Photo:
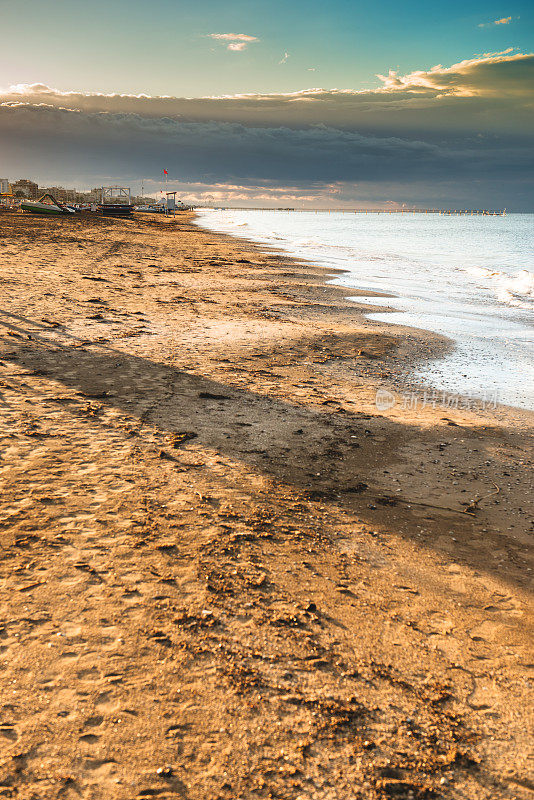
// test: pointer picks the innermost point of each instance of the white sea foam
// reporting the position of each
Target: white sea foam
(513, 289)
(468, 278)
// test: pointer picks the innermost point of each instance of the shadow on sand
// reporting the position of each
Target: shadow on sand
(328, 455)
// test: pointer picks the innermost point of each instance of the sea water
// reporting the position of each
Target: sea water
(469, 278)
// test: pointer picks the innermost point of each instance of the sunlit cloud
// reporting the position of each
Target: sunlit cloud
(496, 77)
(486, 75)
(267, 194)
(502, 21)
(237, 42)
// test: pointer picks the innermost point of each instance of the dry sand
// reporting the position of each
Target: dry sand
(225, 574)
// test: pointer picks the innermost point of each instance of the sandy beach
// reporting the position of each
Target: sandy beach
(226, 574)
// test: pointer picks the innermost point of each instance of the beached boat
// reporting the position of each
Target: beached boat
(115, 209)
(45, 205)
(155, 209)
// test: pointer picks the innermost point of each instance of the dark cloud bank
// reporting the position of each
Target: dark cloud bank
(460, 135)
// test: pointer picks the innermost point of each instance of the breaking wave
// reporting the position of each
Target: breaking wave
(515, 290)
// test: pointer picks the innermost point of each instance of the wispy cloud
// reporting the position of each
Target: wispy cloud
(237, 42)
(502, 21)
(284, 58)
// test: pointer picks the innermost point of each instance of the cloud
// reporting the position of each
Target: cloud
(502, 21)
(463, 131)
(267, 194)
(495, 80)
(284, 58)
(232, 151)
(487, 75)
(237, 42)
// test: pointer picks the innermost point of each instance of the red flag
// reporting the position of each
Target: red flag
(165, 172)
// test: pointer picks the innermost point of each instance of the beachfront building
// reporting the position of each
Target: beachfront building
(62, 194)
(5, 186)
(59, 192)
(25, 188)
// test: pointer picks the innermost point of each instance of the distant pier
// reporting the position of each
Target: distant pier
(468, 212)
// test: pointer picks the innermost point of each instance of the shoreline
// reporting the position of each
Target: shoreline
(226, 573)
(436, 343)
(463, 350)
(424, 343)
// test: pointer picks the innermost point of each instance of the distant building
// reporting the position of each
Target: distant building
(59, 192)
(5, 186)
(25, 188)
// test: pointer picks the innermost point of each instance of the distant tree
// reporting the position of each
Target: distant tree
(19, 193)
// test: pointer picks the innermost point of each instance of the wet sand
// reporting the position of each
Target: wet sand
(225, 573)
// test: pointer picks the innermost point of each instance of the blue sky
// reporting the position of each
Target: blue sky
(162, 46)
(305, 103)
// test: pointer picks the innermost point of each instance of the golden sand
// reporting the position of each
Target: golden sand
(225, 573)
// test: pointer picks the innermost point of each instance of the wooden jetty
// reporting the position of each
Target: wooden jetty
(439, 211)
(447, 212)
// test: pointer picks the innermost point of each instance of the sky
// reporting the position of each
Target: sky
(338, 104)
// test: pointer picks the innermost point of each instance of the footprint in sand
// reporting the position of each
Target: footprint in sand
(440, 638)
(130, 595)
(505, 604)
(485, 695)
(90, 674)
(8, 732)
(69, 655)
(448, 645)
(487, 631)
(93, 722)
(441, 624)
(99, 768)
(73, 633)
(105, 702)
